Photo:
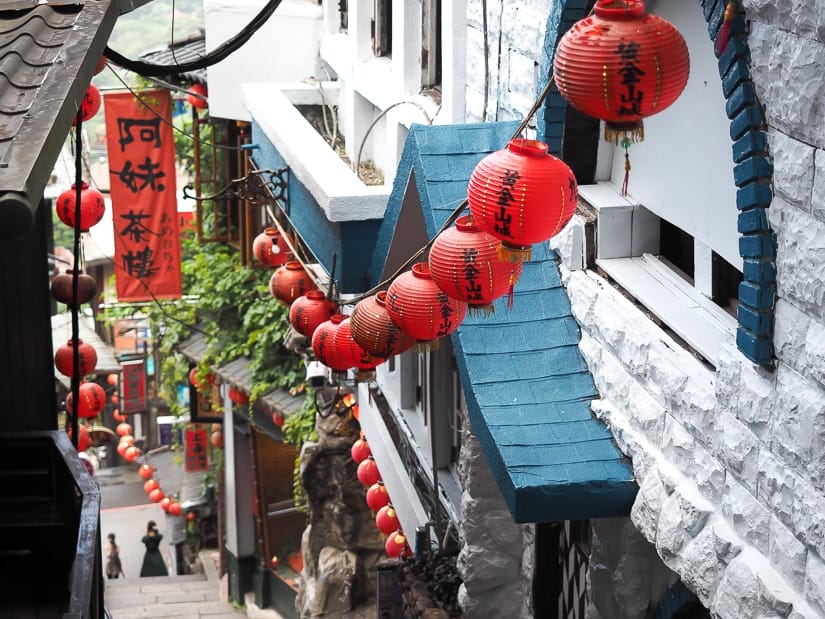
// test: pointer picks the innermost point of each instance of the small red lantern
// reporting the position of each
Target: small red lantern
(175, 509)
(270, 248)
(197, 96)
(360, 450)
(112, 379)
(83, 439)
(64, 358)
(350, 352)
(323, 344)
(396, 544)
(150, 485)
(621, 65)
(216, 438)
(290, 281)
(373, 329)
(165, 502)
(191, 516)
(156, 496)
(237, 396)
(416, 305)
(310, 310)
(464, 263)
(92, 400)
(146, 471)
(201, 385)
(522, 195)
(122, 446)
(386, 519)
(90, 105)
(368, 472)
(92, 206)
(131, 454)
(274, 562)
(278, 419)
(117, 416)
(123, 429)
(62, 288)
(377, 496)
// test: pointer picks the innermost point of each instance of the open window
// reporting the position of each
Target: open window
(431, 44)
(382, 28)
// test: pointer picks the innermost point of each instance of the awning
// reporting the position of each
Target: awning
(107, 362)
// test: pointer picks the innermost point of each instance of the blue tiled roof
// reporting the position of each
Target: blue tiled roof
(527, 386)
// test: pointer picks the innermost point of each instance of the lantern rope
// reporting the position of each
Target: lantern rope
(75, 385)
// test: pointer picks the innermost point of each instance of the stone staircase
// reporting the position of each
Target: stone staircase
(182, 597)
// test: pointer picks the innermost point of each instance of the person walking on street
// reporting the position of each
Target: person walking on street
(113, 566)
(153, 563)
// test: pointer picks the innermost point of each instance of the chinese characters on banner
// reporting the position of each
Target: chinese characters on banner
(133, 387)
(197, 452)
(144, 205)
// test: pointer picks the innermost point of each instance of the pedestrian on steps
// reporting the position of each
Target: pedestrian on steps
(113, 566)
(153, 563)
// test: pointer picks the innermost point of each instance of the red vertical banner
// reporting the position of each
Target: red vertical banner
(133, 386)
(144, 203)
(197, 453)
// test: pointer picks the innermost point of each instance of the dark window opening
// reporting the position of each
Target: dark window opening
(343, 12)
(676, 247)
(382, 28)
(580, 145)
(431, 44)
(725, 286)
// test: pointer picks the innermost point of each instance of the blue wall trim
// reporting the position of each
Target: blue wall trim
(752, 163)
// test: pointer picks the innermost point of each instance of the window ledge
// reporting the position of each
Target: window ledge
(696, 319)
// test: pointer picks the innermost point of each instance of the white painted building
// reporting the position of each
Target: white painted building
(715, 390)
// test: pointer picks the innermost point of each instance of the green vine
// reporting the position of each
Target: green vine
(298, 429)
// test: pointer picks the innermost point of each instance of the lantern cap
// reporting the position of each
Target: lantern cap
(529, 148)
(293, 265)
(466, 223)
(620, 9)
(315, 295)
(422, 270)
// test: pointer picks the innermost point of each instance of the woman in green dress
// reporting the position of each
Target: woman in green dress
(153, 564)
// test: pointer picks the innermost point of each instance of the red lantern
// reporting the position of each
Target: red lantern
(310, 310)
(123, 429)
(290, 281)
(150, 485)
(464, 263)
(323, 344)
(92, 400)
(374, 331)
(416, 305)
(112, 380)
(90, 105)
(101, 64)
(118, 417)
(368, 472)
(621, 65)
(131, 454)
(198, 101)
(191, 516)
(216, 438)
(83, 439)
(522, 195)
(122, 446)
(386, 519)
(165, 502)
(278, 419)
(236, 396)
(350, 352)
(92, 206)
(64, 358)
(62, 288)
(270, 248)
(396, 545)
(377, 496)
(146, 471)
(274, 562)
(127, 440)
(360, 450)
(175, 509)
(156, 496)
(201, 385)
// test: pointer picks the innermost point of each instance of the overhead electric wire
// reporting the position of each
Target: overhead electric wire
(213, 57)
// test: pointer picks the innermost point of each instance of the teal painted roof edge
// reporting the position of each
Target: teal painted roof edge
(527, 387)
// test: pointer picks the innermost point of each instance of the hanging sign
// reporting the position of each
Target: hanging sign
(133, 386)
(197, 453)
(144, 204)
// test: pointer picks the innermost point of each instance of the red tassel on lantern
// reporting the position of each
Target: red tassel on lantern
(360, 450)
(350, 353)
(377, 496)
(621, 65)
(197, 101)
(310, 310)
(92, 400)
(368, 472)
(386, 519)
(417, 306)
(522, 195)
(270, 248)
(464, 263)
(374, 331)
(323, 344)
(92, 206)
(396, 545)
(62, 288)
(290, 281)
(64, 358)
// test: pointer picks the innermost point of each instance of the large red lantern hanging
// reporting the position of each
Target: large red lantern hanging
(64, 358)
(522, 195)
(360, 450)
(621, 65)
(310, 310)
(386, 519)
(290, 281)
(422, 310)
(464, 263)
(396, 544)
(270, 248)
(323, 344)
(374, 331)
(92, 400)
(377, 496)
(92, 206)
(63, 292)
(368, 472)
(83, 438)
(198, 96)
(350, 352)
